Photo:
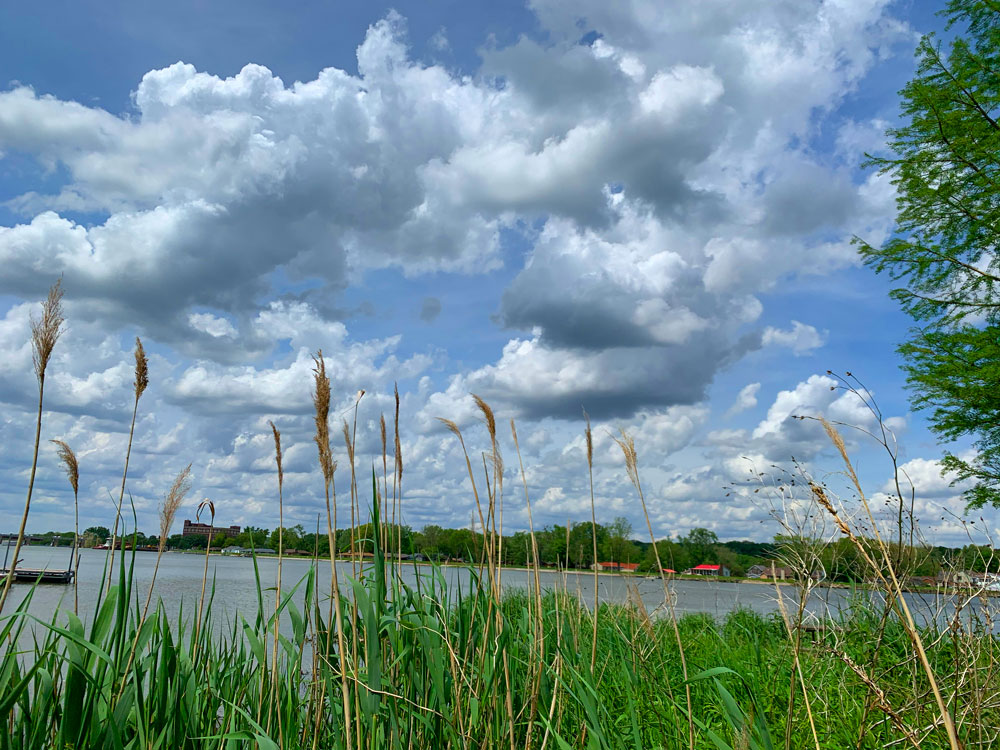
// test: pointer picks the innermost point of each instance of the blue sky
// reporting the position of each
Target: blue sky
(641, 209)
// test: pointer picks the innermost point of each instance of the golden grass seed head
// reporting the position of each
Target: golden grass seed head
(46, 331)
(491, 423)
(277, 451)
(141, 369)
(70, 464)
(321, 401)
(347, 441)
(398, 445)
(590, 440)
(172, 502)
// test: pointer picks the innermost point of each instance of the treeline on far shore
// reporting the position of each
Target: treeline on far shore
(568, 548)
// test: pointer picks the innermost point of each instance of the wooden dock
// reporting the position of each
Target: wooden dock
(41, 575)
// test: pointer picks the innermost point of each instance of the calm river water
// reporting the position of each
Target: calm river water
(179, 582)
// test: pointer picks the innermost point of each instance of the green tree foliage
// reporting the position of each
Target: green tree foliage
(618, 545)
(100, 533)
(701, 546)
(192, 541)
(946, 169)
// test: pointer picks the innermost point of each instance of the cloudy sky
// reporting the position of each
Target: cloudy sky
(643, 209)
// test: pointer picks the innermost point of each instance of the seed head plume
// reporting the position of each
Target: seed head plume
(382, 432)
(491, 423)
(321, 400)
(824, 502)
(347, 442)
(399, 447)
(172, 502)
(277, 451)
(70, 465)
(45, 332)
(141, 369)
(451, 426)
(590, 440)
(627, 444)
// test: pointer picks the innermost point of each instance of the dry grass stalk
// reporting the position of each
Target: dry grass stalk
(139, 385)
(539, 640)
(397, 490)
(206, 503)
(351, 441)
(321, 402)
(387, 512)
(168, 512)
(491, 428)
(881, 700)
(72, 469)
(887, 574)
(277, 590)
(588, 435)
(475, 493)
(349, 447)
(627, 445)
(796, 640)
(496, 502)
(44, 335)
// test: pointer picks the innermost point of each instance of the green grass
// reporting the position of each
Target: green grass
(434, 667)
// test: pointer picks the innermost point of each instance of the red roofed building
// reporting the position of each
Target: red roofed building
(671, 571)
(617, 567)
(707, 570)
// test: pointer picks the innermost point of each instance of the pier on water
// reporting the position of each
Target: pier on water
(41, 575)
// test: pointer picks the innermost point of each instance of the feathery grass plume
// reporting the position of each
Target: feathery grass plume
(44, 335)
(70, 465)
(45, 331)
(321, 402)
(277, 590)
(72, 469)
(141, 369)
(139, 385)
(172, 503)
(627, 445)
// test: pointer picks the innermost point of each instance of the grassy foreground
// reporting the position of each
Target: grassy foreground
(429, 667)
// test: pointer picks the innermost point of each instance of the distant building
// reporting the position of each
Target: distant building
(955, 578)
(617, 566)
(203, 529)
(707, 570)
(771, 570)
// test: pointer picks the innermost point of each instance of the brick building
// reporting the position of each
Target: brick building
(203, 529)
